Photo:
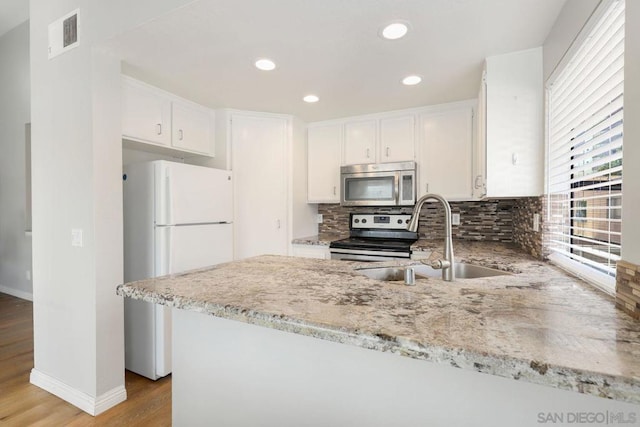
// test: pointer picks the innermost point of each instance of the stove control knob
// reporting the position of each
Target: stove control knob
(356, 220)
(406, 221)
(399, 221)
(364, 221)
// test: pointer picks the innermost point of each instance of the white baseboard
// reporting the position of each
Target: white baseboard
(16, 293)
(89, 404)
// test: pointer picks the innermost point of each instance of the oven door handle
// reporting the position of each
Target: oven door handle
(365, 252)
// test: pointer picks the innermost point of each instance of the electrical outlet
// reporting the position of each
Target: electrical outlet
(76, 237)
(455, 219)
(319, 218)
(536, 222)
(28, 275)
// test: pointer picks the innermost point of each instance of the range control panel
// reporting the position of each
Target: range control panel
(380, 221)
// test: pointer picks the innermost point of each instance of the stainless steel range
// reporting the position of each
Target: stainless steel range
(375, 237)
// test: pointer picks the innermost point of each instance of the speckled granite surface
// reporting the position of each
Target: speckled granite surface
(315, 240)
(540, 325)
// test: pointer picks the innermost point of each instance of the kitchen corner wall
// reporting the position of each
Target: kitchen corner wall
(499, 220)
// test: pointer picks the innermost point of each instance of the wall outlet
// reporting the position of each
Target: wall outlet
(536, 222)
(455, 219)
(76, 237)
(28, 275)
(319, 218)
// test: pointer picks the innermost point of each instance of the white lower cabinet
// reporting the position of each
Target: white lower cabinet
(324, 145)
(310, 251)
(260, 163)
(445, 160)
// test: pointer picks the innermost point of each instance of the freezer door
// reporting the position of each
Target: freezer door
(187, 194)
(182, 248)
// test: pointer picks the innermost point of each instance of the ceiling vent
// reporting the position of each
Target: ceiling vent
(63, 34)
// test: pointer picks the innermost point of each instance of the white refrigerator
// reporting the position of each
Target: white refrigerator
(177, 217)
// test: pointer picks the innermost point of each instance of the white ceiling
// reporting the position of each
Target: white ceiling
(12, 13)
(206, 50)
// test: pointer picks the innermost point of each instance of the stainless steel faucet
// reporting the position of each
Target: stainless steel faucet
(447, 265)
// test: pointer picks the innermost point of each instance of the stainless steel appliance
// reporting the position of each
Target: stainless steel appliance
(379, 184)
(375, 237)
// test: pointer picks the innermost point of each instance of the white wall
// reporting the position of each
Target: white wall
(15, 246)
(572, 17)
(76, 166)
(631, 172)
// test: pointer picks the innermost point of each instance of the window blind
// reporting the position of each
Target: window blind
(584, 156)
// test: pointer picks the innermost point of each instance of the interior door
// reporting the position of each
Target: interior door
(260, 168)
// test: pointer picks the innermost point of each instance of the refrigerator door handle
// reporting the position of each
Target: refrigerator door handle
(168, 252)
(163, 250)
(169, 202)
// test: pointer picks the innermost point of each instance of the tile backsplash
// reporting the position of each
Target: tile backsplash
(502, 220)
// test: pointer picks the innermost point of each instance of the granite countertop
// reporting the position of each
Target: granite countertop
(540, 325)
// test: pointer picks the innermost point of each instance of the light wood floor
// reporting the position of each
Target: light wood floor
(23, 404)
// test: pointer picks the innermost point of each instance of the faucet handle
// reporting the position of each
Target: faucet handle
(441, 263)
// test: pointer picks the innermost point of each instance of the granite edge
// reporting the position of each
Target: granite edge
(618, 388)
(311, 241)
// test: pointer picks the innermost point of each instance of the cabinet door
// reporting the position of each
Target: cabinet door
(397, 139)
(446, 154)
(360, 142)
(324, 146)
(310, 251)
(259, 168)
(146, 114)
(480, 144)
(192, 128)
(514, 117)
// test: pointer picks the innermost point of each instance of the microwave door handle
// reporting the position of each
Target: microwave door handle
(398, 189)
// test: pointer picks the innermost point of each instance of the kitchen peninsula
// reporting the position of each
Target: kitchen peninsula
(275, 340)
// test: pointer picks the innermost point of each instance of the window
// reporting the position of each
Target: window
(584, 155)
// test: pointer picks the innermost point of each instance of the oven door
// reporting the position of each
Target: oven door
(365, 255)
(370, 189)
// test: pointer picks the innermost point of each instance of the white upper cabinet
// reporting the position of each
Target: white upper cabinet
(192, 127)
(324, 151)
(360, 139)
(146, 114)
(397, 139)
(160, 119)
(446, 153)
(513, 140)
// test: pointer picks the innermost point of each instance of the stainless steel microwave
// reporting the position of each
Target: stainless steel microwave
(378, 184)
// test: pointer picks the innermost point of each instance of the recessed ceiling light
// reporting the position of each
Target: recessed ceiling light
(411, 80)
(310, 98)
(395, 30)
(265, 64)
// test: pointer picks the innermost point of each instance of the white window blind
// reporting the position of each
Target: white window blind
(584, 157)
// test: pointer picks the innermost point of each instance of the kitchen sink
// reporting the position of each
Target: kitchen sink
(462, 271)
